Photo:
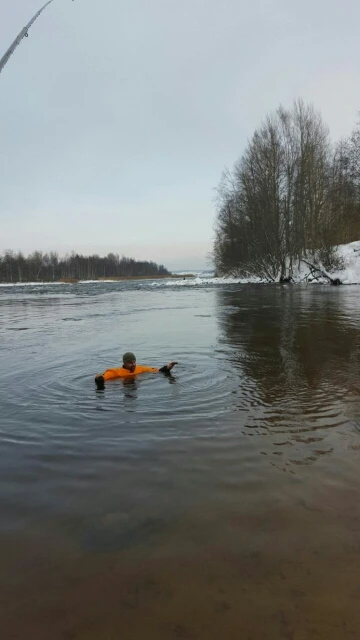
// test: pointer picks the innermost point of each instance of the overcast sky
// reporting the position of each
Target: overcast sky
(118, 117)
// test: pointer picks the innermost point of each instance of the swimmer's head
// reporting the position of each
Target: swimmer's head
(129, 361)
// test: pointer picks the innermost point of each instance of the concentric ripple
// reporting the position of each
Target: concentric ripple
(263, 371)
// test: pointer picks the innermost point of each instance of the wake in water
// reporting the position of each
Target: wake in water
(196, 281)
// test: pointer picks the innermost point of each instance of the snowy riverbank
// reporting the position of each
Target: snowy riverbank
(349, 255)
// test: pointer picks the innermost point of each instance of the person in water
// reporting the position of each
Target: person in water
(130, 369)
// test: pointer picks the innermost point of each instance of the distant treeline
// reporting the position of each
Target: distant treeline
(292, 194)
(49, 267)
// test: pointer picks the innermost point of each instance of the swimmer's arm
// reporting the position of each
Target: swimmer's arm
(109, 374)
(167, 368)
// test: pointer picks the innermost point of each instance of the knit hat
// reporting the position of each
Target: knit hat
(128, 357)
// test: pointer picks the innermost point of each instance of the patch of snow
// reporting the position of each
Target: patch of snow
(29, 284)
(350, 255)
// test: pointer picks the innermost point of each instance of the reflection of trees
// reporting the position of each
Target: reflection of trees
(292, 340)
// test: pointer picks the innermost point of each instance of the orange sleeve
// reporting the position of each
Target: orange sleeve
(147, 369)
(110, 374)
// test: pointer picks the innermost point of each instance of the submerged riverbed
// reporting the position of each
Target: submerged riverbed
(222, 502)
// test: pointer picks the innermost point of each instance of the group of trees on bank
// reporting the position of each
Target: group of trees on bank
(291, 195)
(49, 267)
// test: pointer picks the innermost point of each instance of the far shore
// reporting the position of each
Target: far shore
(111, 278)
(107, 279)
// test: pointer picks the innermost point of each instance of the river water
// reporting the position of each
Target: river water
(222, 502)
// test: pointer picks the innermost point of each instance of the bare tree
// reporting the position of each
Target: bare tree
(273, 208)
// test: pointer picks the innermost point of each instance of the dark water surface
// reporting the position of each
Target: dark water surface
(220, 503)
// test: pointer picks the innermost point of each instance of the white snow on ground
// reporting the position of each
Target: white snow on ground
(350, 254)
(349, 274)
(28, 284)
(199, 280)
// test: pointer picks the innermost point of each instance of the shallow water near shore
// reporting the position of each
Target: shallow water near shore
(222, 502)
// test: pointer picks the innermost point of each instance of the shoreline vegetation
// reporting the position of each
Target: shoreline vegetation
(50, 267)
(292, 198)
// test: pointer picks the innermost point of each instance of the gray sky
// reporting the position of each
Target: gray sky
(118, 117)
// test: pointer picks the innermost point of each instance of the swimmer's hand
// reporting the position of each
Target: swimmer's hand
(167, 367)
(99, 381)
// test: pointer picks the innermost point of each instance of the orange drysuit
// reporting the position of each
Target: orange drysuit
(110, 374)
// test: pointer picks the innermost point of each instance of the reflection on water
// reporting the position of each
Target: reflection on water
(292, 340)
(221, 501)
(297, 354)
